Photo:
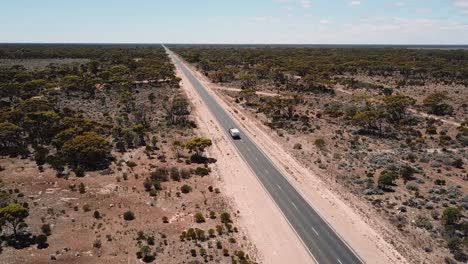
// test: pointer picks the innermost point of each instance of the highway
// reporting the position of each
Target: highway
(317, 236)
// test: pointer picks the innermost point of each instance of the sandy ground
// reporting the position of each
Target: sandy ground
(267, 227)
(348, 223)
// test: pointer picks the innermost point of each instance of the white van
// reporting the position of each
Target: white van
(235, 133)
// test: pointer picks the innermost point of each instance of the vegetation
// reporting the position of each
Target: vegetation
(128, 215)
(106, 113)
(13, 215)
(317, 66)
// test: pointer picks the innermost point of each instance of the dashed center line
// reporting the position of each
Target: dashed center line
(294, 205)
(279, 187)
(339, 261)
(315, 231)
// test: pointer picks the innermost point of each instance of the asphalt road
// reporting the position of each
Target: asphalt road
(320, 240)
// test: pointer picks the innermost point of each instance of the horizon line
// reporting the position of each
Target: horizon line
(208, 43)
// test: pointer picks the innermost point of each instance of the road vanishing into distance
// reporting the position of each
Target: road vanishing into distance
(318, 237)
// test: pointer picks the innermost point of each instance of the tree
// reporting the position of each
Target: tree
(248, 94)
(436, 104)
(199, 218)
(198, 145)
(146, 252)
(185, 188)
(320, 143)
(225, 218)
(41, 125)
(88, 150)
(14, 215)
(454, 243)
(451, 215)
(46, 230)
(64, 136)
(386, 179)
(369, 120)
(41, 241)
(10, 91)
(177, 145)
(247, 80)
(32, 88)
(177, 111)
(10, 135)
(406, 173)
(129, 215)
(127, 99)
(397, 105)
(82, 188)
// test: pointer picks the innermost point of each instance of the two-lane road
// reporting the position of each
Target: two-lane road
(317, 236)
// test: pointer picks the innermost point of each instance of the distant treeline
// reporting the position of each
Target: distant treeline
(79, 51)
(322, 64)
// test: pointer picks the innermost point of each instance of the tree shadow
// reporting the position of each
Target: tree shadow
(149, 259)
(20, 241)
(202, 160)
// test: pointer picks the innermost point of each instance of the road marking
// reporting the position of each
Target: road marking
(267, 171)
(339, 261)
(294, 205)
(313, 229)
(279, 187)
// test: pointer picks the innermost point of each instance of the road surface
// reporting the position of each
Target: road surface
(317, 236)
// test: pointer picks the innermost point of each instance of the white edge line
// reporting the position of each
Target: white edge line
(256, 177)
(246, 131)
(280, 170)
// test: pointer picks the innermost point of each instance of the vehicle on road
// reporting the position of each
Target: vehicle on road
(235, 133)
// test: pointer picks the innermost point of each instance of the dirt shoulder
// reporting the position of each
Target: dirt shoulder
(345, 214)
(267, 228)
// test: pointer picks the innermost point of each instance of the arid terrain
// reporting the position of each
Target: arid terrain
(103, 162)
(391, 145)
(109, 155)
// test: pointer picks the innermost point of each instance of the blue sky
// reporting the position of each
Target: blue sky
(235, 21)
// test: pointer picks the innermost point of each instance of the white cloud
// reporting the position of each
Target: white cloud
(354, 3)
(306, 3)
(462, 5)
(324, 21)
(302, 3)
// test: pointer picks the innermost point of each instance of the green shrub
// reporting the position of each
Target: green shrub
(451, 215)
(46, 230)
(454, 243)
(199, 218)
(320, 143)
(131, 164)
(423, 222)
(202, 171)
(185, 189)
(129, 215)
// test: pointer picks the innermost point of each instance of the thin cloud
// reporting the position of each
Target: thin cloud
(354, 3)
(306, 3)
(462, 5)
